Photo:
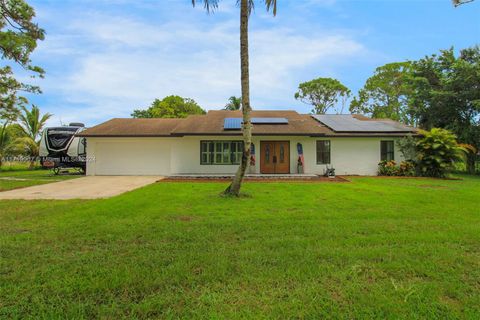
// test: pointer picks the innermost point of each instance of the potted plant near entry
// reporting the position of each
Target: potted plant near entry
(300, 161)
(300, 165)
(252, 159)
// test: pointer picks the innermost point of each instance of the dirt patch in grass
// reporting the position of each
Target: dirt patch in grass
(433, 186)
(21, 231)
(450, 301)
(183, 218)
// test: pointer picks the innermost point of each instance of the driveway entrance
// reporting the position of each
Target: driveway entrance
(93, 187)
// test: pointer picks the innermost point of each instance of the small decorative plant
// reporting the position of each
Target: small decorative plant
(407, 168)
(387, 168)
(390, 168)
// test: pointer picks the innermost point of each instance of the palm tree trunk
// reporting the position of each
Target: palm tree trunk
(234, 187)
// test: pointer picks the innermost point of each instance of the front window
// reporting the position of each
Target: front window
(387, 150)
(221, 152)
(323, 152)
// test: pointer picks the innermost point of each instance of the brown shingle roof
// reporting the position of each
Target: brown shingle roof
(119, 127)
(212, 124)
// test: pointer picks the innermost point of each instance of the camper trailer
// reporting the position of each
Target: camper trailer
(61, 148)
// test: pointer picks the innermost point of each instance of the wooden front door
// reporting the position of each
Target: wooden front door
(274, 157)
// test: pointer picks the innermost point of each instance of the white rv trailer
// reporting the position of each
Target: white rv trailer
(61, 148)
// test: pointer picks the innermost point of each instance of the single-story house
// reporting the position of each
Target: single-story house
(212, 144)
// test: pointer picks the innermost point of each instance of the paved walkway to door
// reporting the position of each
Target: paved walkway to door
(92, 187)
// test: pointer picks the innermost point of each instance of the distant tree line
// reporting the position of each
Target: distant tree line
(438, 91)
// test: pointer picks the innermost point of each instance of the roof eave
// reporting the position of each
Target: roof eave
(124, 136)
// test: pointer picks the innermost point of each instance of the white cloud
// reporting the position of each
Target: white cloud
(119, 63)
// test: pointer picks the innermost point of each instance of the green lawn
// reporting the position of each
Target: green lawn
(373, 248)
(13, 179)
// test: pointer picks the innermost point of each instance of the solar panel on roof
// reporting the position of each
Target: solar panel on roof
(348, 123)
(232, 123)
(269, 120)
(236, 123)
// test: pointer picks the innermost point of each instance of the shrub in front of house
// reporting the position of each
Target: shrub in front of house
(390, 168)
(437, 153)
(387, 168)
(408, 147)
(407, 168)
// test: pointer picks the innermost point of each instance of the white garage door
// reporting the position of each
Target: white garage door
(134, 157)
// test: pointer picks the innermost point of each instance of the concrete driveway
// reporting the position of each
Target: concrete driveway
(93, 187)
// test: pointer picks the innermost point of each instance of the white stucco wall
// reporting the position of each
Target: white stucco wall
(129, 156)
(350, 156)
(165, 156)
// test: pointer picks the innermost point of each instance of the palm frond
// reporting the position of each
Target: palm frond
(457, 3)
(32, 122)
(271, 5)
(209, 5)
(468, 148)
(24, 145)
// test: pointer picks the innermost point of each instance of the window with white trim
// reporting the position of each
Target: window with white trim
(323, 152)
(220, 152)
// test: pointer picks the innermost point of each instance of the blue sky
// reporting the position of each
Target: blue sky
(105, 58)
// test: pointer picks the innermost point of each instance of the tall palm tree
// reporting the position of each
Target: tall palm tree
(246, 7)
(32, 124)
(234, 103)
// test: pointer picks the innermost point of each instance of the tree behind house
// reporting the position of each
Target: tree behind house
(386, 94)
(169, 107)
(234, 103)
(323, 94)
(447, 95)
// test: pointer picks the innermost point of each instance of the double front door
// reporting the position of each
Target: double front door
(274, 156)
